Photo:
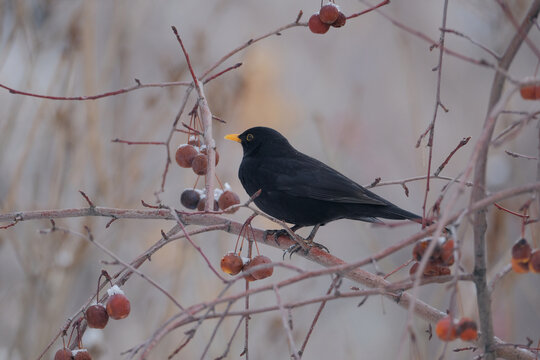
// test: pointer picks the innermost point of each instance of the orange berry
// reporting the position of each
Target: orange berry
(466, 329)
(329, 13)
(96, 316)
(521, 251)
(534, 261)
(185, 154)
(260, 273)
(447, 252)
(446, 329)
(227, 199)
(118, 306)
(194, 140)
(419, 249)
(413, 269)
(231, 263)
(316, 25)
(520, 267)
(528, 92)
(81, 354)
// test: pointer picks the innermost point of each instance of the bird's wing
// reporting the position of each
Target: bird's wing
(305, 176)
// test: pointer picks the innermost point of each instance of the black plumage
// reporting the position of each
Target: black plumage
(301, 190)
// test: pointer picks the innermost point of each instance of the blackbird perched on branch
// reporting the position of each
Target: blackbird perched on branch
(301, 190)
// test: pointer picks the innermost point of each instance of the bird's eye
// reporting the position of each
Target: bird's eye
(249, 137)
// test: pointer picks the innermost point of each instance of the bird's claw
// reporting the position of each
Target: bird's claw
(306, 247)
(276, 234)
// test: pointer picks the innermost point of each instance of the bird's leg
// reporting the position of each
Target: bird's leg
(305, 244)
(280, 232)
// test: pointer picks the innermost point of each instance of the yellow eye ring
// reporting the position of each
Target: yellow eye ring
(249, 137)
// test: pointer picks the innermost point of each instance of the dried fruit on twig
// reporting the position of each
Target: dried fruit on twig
(205, 152)
(447, 252)
(202, 204)
(340, 21)
(227, 199)
(466, 329)
(232, 263)
(530, 92)
(63, 354)
(194, 140)
(96, 316)
(446, 329)
(118, 306)
(185, 154)
(521, 251)
(190, 198)
(520, 267)
(199, 164)
(316, 25)
(260, 273)
(534, 261)
(329, 13)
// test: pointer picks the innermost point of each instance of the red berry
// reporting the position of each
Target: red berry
(81, 354)
(199, 164)
(190, 198)
(316, 25)
(413, 269)
(202, 204)
(529, 92)
(329, 13)
(340, 21)
(260, 273)
(466, 329)
(447, 252)
(194, 140)
(231, 263)
(63, 354)
(446, 329)
(185, 155)
(118, 306)
(521, 251)
(96, 316)
(534, 261)
(227, 199)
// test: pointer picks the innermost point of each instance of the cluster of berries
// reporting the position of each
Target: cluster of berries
(194, 155)
(448, 330)
(97, 317)
(530, 92)
(524, 258)
(232, 264)
(440, 260)
(329, 15)
(223, 199)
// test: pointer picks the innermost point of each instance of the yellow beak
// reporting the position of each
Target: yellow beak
(233, 137)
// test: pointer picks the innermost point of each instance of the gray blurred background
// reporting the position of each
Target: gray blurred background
(356, 98)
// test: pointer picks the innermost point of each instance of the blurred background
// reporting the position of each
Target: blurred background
(356, 98)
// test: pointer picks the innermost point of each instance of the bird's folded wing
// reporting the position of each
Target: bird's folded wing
(310, 178)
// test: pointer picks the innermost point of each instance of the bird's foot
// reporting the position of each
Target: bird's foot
(276, 234)
(305, 245)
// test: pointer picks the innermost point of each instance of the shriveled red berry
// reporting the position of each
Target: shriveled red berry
(227, 199)
(260, 273)
(96, 316)
(199, 164)
(249, 277)
(466, 329)
(521, 251)
(231, 263)
(118, 306)
(63, 354)
(520, 267)
(534, 261)
(329, 13)
(447, 252)
(185, 155)
(205, 152)
(190, 198)
(528, 92)
(202, 204)
(81, 354)
(419, 249)
(340, 21)
(316, 25)
(446, 329)
(413, 269)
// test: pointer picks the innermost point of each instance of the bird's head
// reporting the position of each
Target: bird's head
(261, 140)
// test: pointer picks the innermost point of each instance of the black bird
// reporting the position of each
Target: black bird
(301, 190)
